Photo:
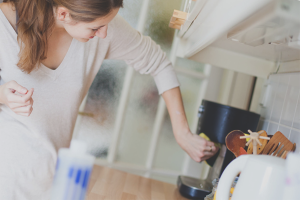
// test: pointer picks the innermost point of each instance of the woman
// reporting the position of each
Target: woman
(50, 52)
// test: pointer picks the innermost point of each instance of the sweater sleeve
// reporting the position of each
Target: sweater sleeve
(140, 52)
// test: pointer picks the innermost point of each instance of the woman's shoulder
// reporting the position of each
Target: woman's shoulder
(119, 28)
(9, 12)
(118, 22)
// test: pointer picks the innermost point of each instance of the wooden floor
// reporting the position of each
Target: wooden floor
(112, 184)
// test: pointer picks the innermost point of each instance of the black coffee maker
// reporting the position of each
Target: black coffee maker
(216, 121)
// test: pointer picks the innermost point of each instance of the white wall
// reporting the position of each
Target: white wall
(235, 89)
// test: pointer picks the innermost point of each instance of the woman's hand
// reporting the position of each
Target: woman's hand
(17, 98)
(198, 148)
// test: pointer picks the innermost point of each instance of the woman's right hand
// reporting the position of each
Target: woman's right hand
(198, 148)
(17, 98)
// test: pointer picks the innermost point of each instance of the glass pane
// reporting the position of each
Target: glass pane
(157, 24)
(102, 103)
(139, 120)
(131, 11)
(189, 5)
(189, 64)
(169, 155)
(190, 88)
(100, 111)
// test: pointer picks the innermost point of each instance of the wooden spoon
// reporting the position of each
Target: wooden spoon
(233, 142)
(242, 151)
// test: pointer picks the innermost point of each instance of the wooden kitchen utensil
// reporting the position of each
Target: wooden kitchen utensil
(233, 142)
(277, 145)
(178, 18)
(254, 138)
(294, 147)
(242, 151)
(262, 141)
(285, 153)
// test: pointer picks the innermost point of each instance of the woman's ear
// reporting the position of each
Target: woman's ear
(63, 14)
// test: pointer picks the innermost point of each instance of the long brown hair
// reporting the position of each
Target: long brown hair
(36, 21)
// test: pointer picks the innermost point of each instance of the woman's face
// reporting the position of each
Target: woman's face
(84, 31)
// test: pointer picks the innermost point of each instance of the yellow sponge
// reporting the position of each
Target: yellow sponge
(207, 138)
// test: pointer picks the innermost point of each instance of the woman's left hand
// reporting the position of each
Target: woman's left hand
(196, 147)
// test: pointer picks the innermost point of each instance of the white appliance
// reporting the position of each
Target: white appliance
(256, 37)
(262, 178)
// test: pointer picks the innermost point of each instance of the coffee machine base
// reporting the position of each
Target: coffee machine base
(193, 188)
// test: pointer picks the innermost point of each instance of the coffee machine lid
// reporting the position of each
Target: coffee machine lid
(217, 120)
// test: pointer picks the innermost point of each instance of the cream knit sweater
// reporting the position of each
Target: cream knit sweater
(29, 145)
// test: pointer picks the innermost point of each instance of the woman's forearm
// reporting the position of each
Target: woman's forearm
(176, 111)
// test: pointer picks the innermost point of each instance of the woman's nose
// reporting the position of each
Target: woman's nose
(102, 32)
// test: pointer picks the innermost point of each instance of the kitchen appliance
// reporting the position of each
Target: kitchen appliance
(216, 121)
(262, 178)
(292, 177)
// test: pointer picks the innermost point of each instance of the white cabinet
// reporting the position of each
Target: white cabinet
(256, 37)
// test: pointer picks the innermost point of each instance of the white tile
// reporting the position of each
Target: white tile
(272, 128)
(285, 131)
(281, 91)
(295, 79)
(273, 78)
(284, 78)
(296, 122)
(263, 126)
(295, 138)
(274, 82)
(283, 107)
(260, 125)
(289, 107)
(263, 112)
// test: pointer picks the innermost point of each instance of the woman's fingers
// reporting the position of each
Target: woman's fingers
(208, 153)
(24, 109)
(25, 114)
(198, 148)
(28, 96)
(205, 158)
(15, 87)
(22, 104)
(210, 147)
(17, 105)
(15, 98)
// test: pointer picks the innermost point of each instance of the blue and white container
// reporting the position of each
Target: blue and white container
(73, 170)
